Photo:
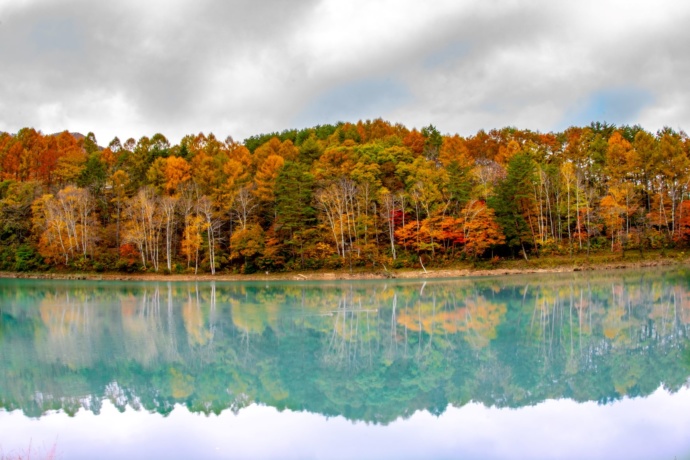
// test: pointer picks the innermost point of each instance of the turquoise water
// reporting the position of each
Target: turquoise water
(589, 365)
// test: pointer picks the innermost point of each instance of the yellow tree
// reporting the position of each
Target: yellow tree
(177, 172)
(675, 170)
(71, 161)
(335, 162)
(622, 163)
(286, 150)
(454, 150)
(238, 168)
(143, 225)
(238, 173)
(612, 211)
(169, 175)
(206, 156)
(65, 223)
(155, 175)
(266, 178)
(247, 244)
(206, 208)
(619, 158)
(506, 152)
(192, 239)
(52, 243)
(206, 172)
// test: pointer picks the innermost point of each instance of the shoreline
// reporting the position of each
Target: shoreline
(325, 275)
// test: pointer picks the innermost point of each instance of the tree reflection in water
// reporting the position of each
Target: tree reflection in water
(371, 351)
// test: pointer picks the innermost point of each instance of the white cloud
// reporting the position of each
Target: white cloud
(243, 67)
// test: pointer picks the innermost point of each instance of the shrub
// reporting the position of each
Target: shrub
(26, 258)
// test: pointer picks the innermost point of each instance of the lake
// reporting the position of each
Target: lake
(573, 365)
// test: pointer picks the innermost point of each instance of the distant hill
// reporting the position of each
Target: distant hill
(77, 136)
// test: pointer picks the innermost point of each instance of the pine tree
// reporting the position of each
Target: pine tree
(514, 203)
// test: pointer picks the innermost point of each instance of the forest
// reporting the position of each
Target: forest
(370, 195)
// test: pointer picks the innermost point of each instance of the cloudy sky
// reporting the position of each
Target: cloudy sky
(242, 67)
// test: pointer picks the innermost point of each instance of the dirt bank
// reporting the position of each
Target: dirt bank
(346, 275)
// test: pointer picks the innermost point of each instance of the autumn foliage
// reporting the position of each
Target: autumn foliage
(369, 194)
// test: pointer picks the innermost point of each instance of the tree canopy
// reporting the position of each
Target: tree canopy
(365, 194)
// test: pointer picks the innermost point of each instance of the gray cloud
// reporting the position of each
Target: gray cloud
(546, 69)
(75, 56)
(244, 67)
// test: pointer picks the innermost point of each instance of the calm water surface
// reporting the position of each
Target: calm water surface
(591, 365)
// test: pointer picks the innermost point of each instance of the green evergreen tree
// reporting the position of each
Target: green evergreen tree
(513, 202)
(460, 183)
(432, 142)
(310, 150)
(295, 215)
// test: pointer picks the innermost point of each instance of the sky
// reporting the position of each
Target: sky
(243, 67)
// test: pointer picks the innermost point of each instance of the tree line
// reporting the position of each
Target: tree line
(367, 194)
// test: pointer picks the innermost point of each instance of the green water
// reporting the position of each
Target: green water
(368, 351)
